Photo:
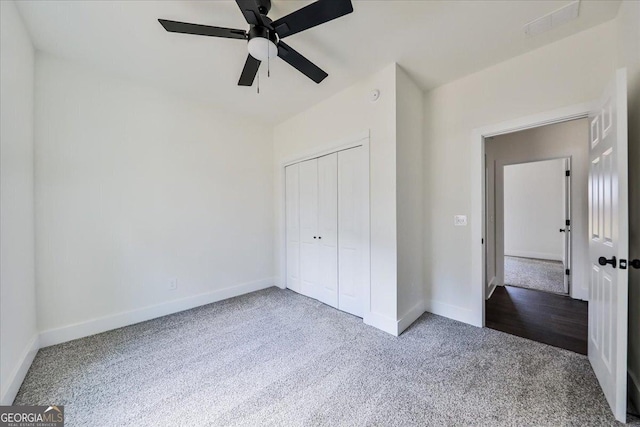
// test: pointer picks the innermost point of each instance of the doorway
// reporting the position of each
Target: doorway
(536, 190)
(537, 215)
(537, 225)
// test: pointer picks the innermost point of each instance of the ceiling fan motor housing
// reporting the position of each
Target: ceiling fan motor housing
(264, 6)
(257, 31)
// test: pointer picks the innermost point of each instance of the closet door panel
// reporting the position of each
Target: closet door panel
(328, 228)
(351, 208)
(309, 248)
(292, 202)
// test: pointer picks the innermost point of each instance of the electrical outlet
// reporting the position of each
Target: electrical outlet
(173, 284)
(460, 220)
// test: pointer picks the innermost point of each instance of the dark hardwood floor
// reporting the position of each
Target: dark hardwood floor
(556, 320)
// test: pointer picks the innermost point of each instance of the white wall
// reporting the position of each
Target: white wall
(628, 43)
(534, 209)
(409, 114)
(345, 115)
(570, 71)
(18, 334)
(133, 188)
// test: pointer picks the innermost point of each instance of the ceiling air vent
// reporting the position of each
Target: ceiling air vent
(552, 20)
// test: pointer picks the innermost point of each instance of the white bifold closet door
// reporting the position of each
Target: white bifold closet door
(309, 248)
(292, 217)
(324, 209)
(328, 229)
(352, 208)
(318, 183)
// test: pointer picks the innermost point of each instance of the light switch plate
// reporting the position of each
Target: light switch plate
(460, 220)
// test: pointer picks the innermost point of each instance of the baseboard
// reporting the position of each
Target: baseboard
(493, 283)
(279, 282)
(412, 315)
(384, 323)
(634, 390)
(492, 288)
(536, 255)
(119, 320)
(454, 312)
(16, 377)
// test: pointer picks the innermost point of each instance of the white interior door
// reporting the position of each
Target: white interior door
(352, 208)
(309, 247)
(328, 229)
(292, 202)
(609, 244)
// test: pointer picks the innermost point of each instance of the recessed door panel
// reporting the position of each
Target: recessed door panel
(328, 229)
(351, 208)
(594, 194)
(309, 228)
(594, 299)
(292, 214)
(607, 196)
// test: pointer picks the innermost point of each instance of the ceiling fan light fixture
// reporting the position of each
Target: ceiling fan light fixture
(262, 49)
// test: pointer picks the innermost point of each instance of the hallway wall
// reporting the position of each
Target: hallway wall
(534, 209)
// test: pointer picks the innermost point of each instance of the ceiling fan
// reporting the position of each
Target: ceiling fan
(265, 36)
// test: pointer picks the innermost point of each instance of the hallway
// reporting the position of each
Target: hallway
(556, 320)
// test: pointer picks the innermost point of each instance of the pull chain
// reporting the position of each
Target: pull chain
(268, 58)
(258, 81)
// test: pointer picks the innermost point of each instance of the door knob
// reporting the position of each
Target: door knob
(635, 263)
(603, 261)
(562, 230)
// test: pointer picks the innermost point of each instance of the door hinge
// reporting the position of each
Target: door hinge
(567, 272)
(567, 173)
(567, 222)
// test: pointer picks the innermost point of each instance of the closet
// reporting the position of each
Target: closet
(326, 203)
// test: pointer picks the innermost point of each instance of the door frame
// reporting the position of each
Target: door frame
(361, 139)
(567, 215)
(478, 185)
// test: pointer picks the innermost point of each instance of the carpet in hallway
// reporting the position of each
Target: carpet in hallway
(537, 274)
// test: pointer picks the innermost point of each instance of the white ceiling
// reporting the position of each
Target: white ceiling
(435, 41)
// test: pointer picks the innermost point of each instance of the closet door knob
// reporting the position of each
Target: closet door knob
(314, 237)
(320, 237)
(635, 263)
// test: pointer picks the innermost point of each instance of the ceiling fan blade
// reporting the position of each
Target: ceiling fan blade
(300, 63)
(309, 16)
(249, 9)
(202, 30)
(249, 71)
